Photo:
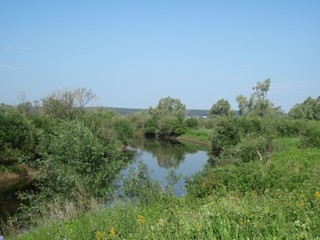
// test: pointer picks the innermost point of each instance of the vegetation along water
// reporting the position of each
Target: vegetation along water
(260, 179)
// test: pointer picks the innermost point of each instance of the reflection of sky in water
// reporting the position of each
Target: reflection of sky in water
(192, 163)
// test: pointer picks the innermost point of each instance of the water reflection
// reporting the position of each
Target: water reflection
(161, 156)
(169, 154)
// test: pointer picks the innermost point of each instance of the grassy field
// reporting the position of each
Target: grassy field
(254, 200)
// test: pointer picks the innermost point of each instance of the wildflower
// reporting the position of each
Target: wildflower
(198, 227)
(317, 195)
(1, 237)
(302, 204)
(140, 219)
(99, 235)
(113, 232)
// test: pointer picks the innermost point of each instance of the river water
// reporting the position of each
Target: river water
(159, 156)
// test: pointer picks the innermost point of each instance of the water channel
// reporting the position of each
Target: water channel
(159, 156)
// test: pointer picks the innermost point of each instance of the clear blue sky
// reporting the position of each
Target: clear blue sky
(133, 53)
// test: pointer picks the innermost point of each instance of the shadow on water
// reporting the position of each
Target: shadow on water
(9, 201)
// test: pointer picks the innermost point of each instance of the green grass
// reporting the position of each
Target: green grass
(281, 216)
(200, 136)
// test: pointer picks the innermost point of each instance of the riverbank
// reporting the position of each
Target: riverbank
(19, 173)
(199, 137)
(253, 200)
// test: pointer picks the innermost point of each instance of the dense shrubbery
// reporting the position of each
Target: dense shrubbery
(17, 136)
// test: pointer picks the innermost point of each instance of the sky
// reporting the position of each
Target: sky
(133, 53)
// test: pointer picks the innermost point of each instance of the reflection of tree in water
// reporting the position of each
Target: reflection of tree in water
(169, 154)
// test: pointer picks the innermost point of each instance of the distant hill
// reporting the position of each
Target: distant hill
(127, 111)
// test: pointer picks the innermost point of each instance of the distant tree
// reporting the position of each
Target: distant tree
(242, 104)
(309, 109)
(261, 89)
(167, 118)
(220, 108)
(66, 103)
(258, 104)
(170, 106)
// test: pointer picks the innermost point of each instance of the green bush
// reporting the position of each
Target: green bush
(311, 134)
(226, 134)
(75, 164)
(250, 147)
(192, 122)
(17, 135)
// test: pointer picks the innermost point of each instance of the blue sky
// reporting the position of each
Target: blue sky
(133, 53)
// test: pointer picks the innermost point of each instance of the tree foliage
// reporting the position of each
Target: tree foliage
(308, 109)
(257, 104)
(167, 118)
(170, 107)
(220, 108)
(67, 103)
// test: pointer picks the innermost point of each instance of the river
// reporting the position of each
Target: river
(159, 156)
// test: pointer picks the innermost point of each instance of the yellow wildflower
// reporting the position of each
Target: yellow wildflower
(99, 235)
(317, 195)
(302, 204)
(140, 219)
(198, 227)
(113, 232)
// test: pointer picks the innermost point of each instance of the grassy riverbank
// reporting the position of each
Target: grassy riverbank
(254, 200)
(199, 136)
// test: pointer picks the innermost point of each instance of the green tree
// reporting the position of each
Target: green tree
(309, 109)
(75, 158)
(67, 103)
(220, 108)
(170, 107)
(258, 104)
(167, 119)
(243, 104)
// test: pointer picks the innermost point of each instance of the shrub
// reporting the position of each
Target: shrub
(227, 133)
(17, 135)
(192, 122)
(311, 134)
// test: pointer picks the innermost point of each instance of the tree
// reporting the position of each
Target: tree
(242, 104)
(170, 106)
(261, 89)
(258, 104)
(220, 108)
(66, 103)
(168, 118)
(309, 109)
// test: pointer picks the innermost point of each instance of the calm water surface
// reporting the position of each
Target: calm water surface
(161, 156)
